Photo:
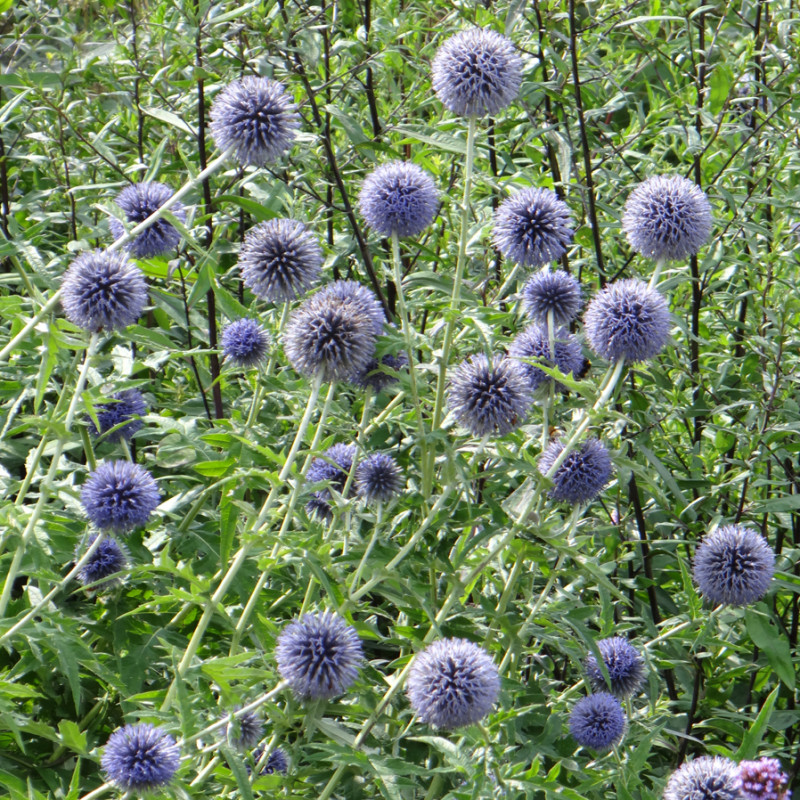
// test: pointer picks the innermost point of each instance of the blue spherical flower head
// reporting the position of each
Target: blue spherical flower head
(138, 202)
(280, 259)
(582, 475)
(334, 467)
(764, 780)
(244, 730)
(627, 320)
(104, 567)
(476, 73)
(624, 666)
(734, 566)
(708, 777)
(124, 411)
(597, 721)
(452, 683)
(378, 478)
(534, 344)
(667, 218)
(533, 227)
(140, 758)
(489, 398)
(119, 496)
(245, 342)
(330, 337)
(557, 292)
(377, 375)
(103, 290)
(357, 297)
(399, 197)
(276, 761)
(318, 655)
(256, 117)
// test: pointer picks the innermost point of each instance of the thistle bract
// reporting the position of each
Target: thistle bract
(103, 290)
(476, 73)
(318, 655)
(138, 202)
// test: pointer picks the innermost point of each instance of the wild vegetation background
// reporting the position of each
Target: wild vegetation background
(95, 95)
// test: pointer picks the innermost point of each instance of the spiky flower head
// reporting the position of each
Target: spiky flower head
(452, 683)
(597, 721)
(627, 320)
(255, 116)
(276, 761)
(140, 758)
(358, 297)
(489, 398)
(245, 342)
(624, 666)
(119, 496)
(318, 655)
(555, 291)
(103, 290)
(334, 466)
(533, 227)
(125, 411)
(476, 73)
(582, 475)
(707, 777)
(243, 729)
(138, 202)
(398, 197)
(764, 780)
(534, 344)
(104, 566)
(734, 566)
(377, 375)
(378, 478)
(332, 334)
(280, 259)
(667, 218)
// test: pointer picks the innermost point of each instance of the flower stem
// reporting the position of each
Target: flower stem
(455, 300)
(656, 273)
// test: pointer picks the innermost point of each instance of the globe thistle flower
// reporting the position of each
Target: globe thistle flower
(452, 683)
(244, 730)
(330, 337)
(597, 721)
(140, 758)
(138, 202)
(709, 777)
(583, 474)
(245, 342)
(550, 291)
(399, 197)
(280, 259)
(534, 343)
(318, 655)
(378, 375)
(533, 227)
(119, 496)
(488, 397)
(358, 297)
(624, 666)
(733, 566)
(378, 478)
(334, 467)
(103, 290)
(667, 218)
(627, 320)
(476, 73)
(125, 410)
(104, 566)
(276, 761)
(256, 117)
(764, 780)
